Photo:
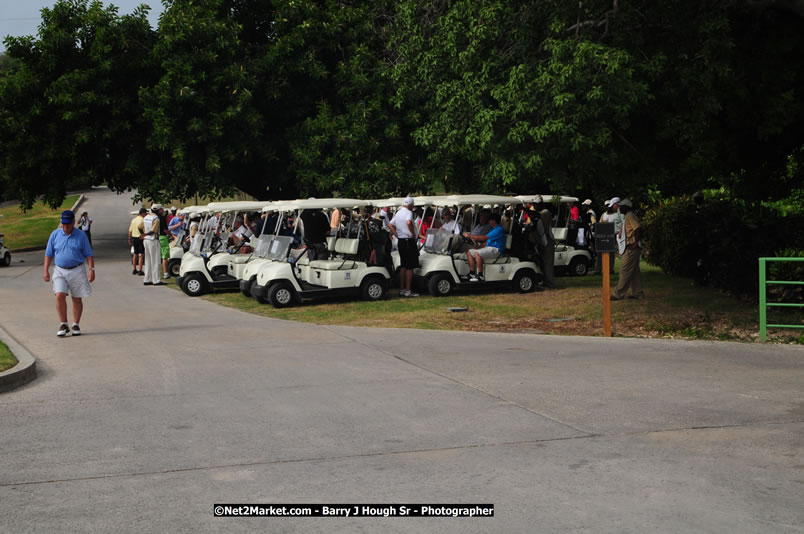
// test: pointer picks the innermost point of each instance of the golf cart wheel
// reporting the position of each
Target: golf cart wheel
(6, 259)
(525, 281)
(194, 285)
(174, 266)
(373, 288)
(439, 285)
(247, 291)
(281, 295)
(579, 267)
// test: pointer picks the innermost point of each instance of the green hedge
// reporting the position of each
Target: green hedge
(719, 242)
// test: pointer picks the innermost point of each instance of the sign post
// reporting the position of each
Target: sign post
(605, 244)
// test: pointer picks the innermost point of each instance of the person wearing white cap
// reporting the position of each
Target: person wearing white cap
(611, 216)
(404, 230)
(589, 219)
(629, 272)
(150, 235)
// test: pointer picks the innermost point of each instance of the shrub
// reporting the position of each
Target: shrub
(720, 242)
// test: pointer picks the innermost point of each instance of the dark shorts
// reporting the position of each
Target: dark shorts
(139, 247)
(408, 253)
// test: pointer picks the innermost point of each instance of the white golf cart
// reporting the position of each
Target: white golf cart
(291, 276)
(444, 268)
(177, 246)
(204, 267)
(569, 257)
(5, 254)
(245, 268)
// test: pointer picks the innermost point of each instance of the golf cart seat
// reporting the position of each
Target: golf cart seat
(240, 258)
(346, 248)
(560, 234)
(502, 258)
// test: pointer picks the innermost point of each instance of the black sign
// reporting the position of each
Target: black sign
(605, 238)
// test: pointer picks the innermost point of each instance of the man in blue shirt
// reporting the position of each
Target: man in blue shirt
(68, 249)
(494, 246)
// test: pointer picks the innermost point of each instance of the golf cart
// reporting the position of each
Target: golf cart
(177, 246)
(245, 269)
(444, 268)
(570, 257)
(5, 254)
(204, 267)
(291, 276)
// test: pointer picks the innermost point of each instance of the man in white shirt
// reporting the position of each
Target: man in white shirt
(403, 228)
(448, 223)
(611, 216)
(153, 255)
(241, 232)
(212, 223)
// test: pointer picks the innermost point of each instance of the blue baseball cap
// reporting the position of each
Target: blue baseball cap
(67, 217)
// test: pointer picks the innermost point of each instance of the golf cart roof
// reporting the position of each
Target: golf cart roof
(463, 200)
(426, 200)
(280, 205)
(330, 203)
(550, 198)
(189, 209)
(241, 205)
(530, 199)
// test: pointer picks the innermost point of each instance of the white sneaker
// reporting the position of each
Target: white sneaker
(473, 278)
(404, 293)
(76, 330)
(164, 275)
(63, 329)
(411, 294)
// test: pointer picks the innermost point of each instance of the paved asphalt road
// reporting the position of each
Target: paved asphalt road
(168, 405)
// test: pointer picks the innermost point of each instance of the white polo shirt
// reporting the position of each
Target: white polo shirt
(400, 222)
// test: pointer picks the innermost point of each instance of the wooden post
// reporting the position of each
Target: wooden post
(606, 295)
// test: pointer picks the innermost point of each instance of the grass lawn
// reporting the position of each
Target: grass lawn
(32, 228)
(7, 360)
(674, 308)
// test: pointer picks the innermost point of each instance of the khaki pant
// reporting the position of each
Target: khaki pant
(629, 274)
(153, 259)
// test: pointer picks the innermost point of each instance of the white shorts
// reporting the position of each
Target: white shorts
(75, 280)
(487, 253)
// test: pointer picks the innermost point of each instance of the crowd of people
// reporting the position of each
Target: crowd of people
(151, 233)
(404, 229)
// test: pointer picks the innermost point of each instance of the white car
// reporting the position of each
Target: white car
(291, 276)
(5, 254)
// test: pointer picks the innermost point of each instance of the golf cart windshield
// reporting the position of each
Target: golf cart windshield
(280, 247)
(263, 245)
(438, 241)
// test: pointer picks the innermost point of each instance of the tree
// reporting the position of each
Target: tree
(605, 97)
(280, 100)
(357, 142)
(69, 108)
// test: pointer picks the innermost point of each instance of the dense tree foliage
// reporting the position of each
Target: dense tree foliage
(69, 106)
(287, 98)
(605, 97)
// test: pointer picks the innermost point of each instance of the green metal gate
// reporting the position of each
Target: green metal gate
(763, 297)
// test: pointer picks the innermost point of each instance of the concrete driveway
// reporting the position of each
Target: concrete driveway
(168, 405)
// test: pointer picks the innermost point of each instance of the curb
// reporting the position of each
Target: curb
(78, 202)
(23, 372)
